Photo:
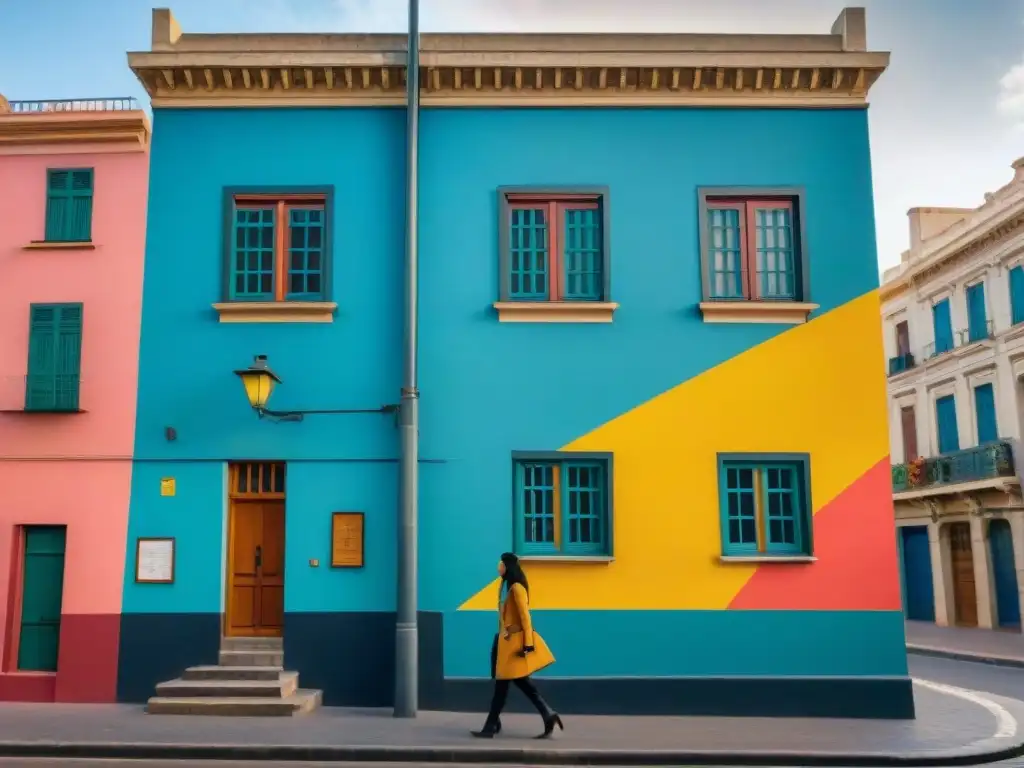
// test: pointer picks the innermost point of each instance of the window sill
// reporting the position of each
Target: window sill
(785, 312)
(555, 311)
(577, 559)
(276, 311)
(768, 559)
(43, 412)
(60, 245)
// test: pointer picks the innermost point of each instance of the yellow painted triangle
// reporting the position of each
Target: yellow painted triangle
(818, 388)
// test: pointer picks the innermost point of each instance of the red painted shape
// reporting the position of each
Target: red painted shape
(857, 567)
(37, 687)
(87, 662)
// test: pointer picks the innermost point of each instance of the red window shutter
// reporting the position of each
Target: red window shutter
(909, 423)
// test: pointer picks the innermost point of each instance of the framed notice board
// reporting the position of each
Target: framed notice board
(347, 540)
(154, 560)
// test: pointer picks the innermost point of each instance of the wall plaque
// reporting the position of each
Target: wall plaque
(347, 540)
(154, 561)
(167, 486)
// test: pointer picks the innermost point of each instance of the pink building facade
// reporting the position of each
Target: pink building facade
(73, 190)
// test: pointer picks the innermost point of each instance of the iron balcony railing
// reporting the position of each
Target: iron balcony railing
(983, 462)
(113, 104)
(960, 338)
(901, 363)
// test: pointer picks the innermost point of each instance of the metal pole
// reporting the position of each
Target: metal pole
(406, 636)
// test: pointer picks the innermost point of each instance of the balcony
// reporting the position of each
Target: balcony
(961, 338)
(984, 462)
(901, 363)
(114, 104)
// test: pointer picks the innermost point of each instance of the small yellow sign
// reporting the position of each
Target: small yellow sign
(167, 486)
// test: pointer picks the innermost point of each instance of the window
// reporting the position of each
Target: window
(752, 246)
(904, 360)
(278, 247)
(977, 320)
(54, 357)
(1017, 295)
(69, 205)
(562, 504)
(985, 413)
(765, 505)
(942, 324)
(554, 246)
(945, 422)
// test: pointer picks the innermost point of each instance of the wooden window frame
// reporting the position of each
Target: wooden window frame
(554, 307)
(803, 517)
(557, 551)
(279, 307)
(750, 307)
(58, 307)
(85, 242)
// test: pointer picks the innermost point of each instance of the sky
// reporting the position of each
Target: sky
(947, 118)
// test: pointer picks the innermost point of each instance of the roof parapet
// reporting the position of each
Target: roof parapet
(203, 70)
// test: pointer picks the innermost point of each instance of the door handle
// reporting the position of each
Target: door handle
(259, 557)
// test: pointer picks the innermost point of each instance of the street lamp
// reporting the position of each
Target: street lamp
(259, 382)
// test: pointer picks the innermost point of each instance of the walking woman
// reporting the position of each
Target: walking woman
(517, 651)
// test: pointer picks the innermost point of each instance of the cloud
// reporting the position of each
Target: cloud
(1011, 93)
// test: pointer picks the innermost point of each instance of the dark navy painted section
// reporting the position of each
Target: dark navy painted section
(1004, 573)
(154, 647)
(919, 596)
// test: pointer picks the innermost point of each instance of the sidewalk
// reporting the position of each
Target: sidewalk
(1001, 647)
(952, 727)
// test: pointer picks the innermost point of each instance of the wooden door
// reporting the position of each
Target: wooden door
(908, 421)
(256, 569)
(965, 597)
(42, 598)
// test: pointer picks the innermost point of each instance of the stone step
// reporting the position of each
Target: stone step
(232, 673)
(246, 706)
(254, 644)
(191, 689)
(251, 658)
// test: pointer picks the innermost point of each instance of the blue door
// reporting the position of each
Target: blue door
(945, 419)
(918, 597)
(942, 325)
(985, 414)
(1004, 573)
(977, 321)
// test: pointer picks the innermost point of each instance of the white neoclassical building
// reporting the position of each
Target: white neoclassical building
(953, 319)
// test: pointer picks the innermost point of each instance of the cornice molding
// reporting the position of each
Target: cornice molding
(223, 70)
(125, 130)
(969, 242)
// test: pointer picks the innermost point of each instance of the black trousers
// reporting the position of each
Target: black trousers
(524, 684)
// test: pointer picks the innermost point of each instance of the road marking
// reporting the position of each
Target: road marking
(1006, 723)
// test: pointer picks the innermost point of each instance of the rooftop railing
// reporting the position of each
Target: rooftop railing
(982, 462)
(115, 104)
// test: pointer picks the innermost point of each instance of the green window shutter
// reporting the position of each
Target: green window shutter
(69, 205)
(42, 597)
(54, 357)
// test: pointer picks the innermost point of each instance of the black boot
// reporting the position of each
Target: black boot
(491, 729)
(548, 715)
(551, 719)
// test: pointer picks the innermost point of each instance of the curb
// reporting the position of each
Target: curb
(988, 751)
(944, 653)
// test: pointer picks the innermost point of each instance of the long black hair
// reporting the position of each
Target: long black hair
(513, 572)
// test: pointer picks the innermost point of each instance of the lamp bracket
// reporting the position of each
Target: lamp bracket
(300, 415)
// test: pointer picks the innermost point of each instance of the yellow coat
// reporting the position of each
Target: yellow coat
(515, 631)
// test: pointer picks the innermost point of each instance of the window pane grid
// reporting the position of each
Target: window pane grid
(582, 255)
(305, 253)
(773, 244)
(253, 254)
(537, 505)
(528, 254)
(725, 253)
(584, 498)
(763, 509)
